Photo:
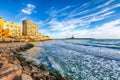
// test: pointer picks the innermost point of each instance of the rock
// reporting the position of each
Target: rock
(40, 74)
(9, 72)
(1, 64)
(34, 69)
(26, 77)
(27, 70)
(51, 78)
(43, 67)
(11, 54)
(18, 50)
(4, 59)
(3, 55)
(16, 62)
(22, 59)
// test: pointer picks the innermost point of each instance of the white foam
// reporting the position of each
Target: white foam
(79, 61)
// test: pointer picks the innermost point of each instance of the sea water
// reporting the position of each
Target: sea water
(81, 59)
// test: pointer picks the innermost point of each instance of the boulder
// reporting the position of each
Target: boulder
(26, 70)
(26, 77)
(4, 59)
(34, 69)
(16, 62)
(40, 74)
(9, 72)
(51, 78)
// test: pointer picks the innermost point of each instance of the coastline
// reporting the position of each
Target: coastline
(13, 65)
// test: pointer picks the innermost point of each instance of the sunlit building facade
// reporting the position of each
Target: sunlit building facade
(15, 30)
(29, 28)
(1, 26)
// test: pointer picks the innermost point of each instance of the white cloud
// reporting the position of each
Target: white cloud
(28, 9)
(77, 12)
(108, 30)
(97, 13)
(105, 4)
(69, 24)
(63, 9)
(109, 25)
(81, 18)
(54, 13)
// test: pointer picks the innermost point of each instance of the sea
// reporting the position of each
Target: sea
(82, 59)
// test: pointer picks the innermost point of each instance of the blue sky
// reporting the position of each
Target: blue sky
(64, 18)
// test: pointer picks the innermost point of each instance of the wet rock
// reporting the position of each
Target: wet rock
(43, 67)
(34, 69)
(26, 77)
(51, 78)
(40, 74)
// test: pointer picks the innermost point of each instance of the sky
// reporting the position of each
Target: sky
(64, 18)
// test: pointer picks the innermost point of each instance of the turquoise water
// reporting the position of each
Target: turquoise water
(82, 59)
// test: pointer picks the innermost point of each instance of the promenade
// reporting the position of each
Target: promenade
(14, 44)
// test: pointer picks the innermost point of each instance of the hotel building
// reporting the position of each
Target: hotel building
(29, 28)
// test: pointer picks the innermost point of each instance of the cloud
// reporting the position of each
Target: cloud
(54, 13)
(105, 4)
(80, 9)
(108, 30)
(93, 9)
(109, 25)
(69, 24)
(29, 9)
(79, 21)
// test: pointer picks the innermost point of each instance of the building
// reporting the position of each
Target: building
(39, 34)
(1, 26)
(15, 30)
(29, 28)
(27, 32)
(3, 32)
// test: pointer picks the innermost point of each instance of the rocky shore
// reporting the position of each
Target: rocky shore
(13, 66)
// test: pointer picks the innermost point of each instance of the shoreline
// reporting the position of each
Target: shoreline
(10, 55)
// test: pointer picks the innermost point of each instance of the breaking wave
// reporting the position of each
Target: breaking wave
(82, 59)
